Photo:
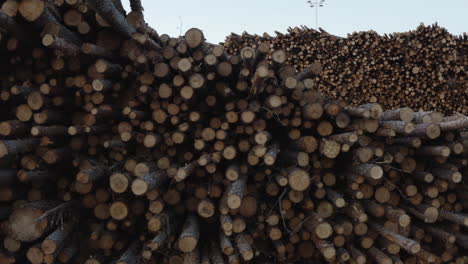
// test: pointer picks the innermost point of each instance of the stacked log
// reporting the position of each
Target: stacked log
(120, 145)
(423, 69)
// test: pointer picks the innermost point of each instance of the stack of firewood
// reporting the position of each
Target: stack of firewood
(120, 145)
(422, 69)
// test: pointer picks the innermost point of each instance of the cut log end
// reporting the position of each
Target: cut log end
(48, 246)
(299, 180)
(340, 202)
(330, 149)
(376, 172)
(3, 150)
(232, 174)
(180, 175)
(404, 220)
(5, 129)
(206, 209)
(465, 221)
(445, 152)
(431, 214)
(31, 10)
(118, 182)
(118, 210)
(329, 253)
(187, 244)
(408, 128)
(406, 114)
(234, 201)
(362, 218)
(23, 225)
(24, 113)
(35, 255)
(247, 255)
(194, 37)
(433, 131)
(415, 248)
(82, 177)
(323, 230)
(457, 177)
(247, 53)
(361, 260)
(279, 56)
(139, 187)
(48, 40)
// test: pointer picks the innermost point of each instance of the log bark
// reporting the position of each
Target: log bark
(111, 14)
(55, 241)
(190, 235)
(13, 147)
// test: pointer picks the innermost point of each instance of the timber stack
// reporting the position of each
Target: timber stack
(424, 69)
(120, 145)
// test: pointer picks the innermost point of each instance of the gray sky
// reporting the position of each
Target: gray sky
(218, 18)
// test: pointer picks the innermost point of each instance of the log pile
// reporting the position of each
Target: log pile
(422, 69)
(120, 145)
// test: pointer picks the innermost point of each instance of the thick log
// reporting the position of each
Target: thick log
(149, 182)
(13, 147)
(111, 14)
(244, 247)
(236, 192)
(129, 255)
(404, 114)
(23, 224)
(190, 235)
(409, 245)
(136, 6)
(55, 241)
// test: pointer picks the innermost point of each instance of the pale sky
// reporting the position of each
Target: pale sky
(218, 18)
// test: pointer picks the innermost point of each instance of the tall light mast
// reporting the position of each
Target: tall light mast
(316, 4)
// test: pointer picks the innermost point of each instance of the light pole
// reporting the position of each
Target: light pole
(316, 4)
